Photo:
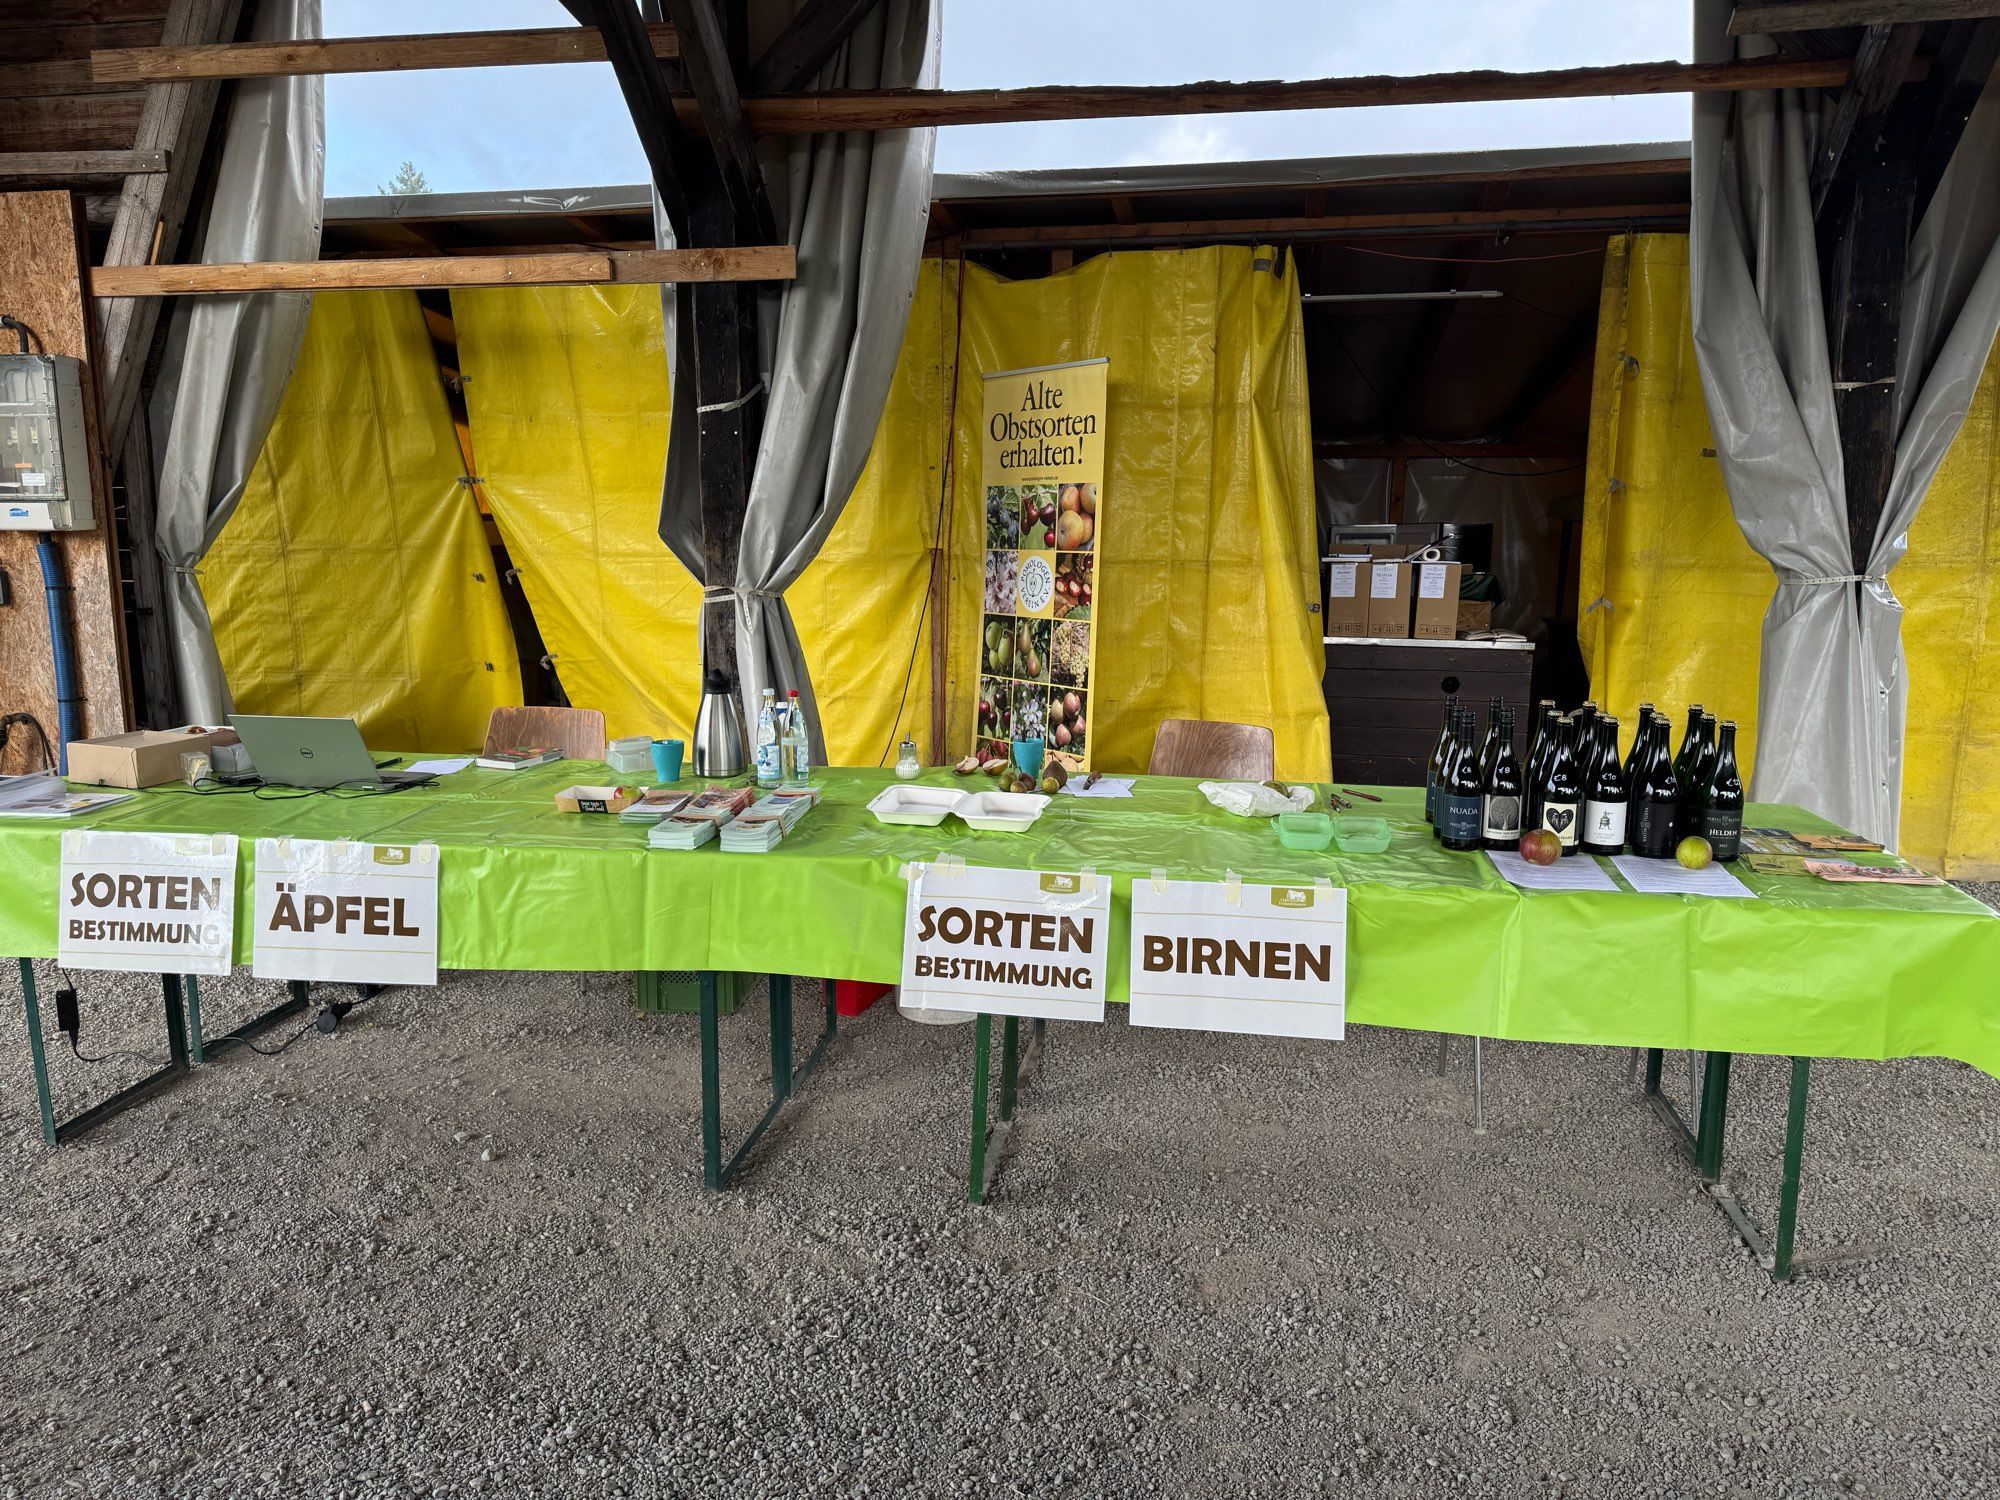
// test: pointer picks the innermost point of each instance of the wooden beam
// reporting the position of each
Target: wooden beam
(42, 244)
(576, 268)
(902, 109)
(705, 58)
(647, 99)
(79, 166)
(153, 209)
(803, 47)
(1435, 224)
(1858, 117)
(1814, 15)
(362, 54)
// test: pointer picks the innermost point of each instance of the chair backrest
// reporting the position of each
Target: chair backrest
(1211, 748)
(577, 732)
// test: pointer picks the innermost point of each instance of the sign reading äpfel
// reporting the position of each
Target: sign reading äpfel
(361, 913)
(1006, 942)
(1213, 955)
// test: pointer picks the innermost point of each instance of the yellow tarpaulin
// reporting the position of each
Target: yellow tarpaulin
(354, 578)
(1674, 598)
(1207, 560)
(566, 390)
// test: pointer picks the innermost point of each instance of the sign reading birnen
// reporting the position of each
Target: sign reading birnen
(155, 903)
(1270, 960)
(360, 913)
(1006, 942)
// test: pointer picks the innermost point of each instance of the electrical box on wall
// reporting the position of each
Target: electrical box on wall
(44, 462)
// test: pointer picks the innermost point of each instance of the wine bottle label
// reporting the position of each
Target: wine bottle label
(1502, 816)
(1654, 834)
(1560, 818)
(1604, 823)
(1458, 817)
(1723, 828)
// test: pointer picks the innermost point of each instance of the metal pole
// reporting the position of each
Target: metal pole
(1444, 1052)
(1795, 1146)
(975, 1181)
(1478, 1086)
(1714, 1116)
(781, 1036)
(35, 1053)
(1010, 1052)
(711, 1085)
(1653, 1059)
(191, 988)
(177, 1047)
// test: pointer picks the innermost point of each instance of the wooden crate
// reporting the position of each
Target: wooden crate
(1385, 702)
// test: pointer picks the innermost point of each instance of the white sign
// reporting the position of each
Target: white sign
(1382, 579)
(1006, 942)
(156, 903)
(1270, 960)
(361, 913)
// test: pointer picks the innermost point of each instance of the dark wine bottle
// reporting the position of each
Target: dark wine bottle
(1437, 759)
(1690, 744)
(1459, 791)
(1722, 799)
(1535, 765)
(1655, 802)
(1694, 781)
(1641, 733)
(1562, 791)
(1490, 738)
(1605, 800)
(1500, 815)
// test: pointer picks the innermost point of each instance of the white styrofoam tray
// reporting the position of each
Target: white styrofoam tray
(923, 806)
(1000, 812)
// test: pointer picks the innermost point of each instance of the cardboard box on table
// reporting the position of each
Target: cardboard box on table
(1474, 614)
(1435, 617)
(1347, 594)
(145, 757)
(1388, 599)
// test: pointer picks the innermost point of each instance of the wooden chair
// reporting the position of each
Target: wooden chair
(577, 732)
(1212, 749)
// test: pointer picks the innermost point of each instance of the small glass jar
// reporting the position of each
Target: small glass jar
(908, 767)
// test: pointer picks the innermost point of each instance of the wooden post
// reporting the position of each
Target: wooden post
(42, 248)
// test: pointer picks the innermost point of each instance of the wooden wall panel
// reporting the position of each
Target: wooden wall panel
(41, 283)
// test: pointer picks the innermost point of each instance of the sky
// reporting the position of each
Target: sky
(479, 129)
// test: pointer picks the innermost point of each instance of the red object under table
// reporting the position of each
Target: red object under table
(852, 996)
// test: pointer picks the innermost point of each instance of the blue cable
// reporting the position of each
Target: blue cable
(69, 702)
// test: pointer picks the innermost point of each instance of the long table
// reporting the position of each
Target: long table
(1437, 940)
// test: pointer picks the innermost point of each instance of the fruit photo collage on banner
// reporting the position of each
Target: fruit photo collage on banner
(1042, 465)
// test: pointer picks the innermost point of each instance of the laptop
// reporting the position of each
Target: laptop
(323, 753)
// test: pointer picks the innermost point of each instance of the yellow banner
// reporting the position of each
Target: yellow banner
(1042, 465)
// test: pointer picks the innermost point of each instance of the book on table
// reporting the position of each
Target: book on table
(519, 758)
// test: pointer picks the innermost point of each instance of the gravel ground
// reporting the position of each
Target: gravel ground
(459, 1249)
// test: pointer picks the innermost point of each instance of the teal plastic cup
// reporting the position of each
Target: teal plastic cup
(667, 760)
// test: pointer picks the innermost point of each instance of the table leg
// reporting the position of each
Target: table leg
(785, 1078)
(36, 1055)
(298, 996)
(1795, 1147)
(975, 1177)
(711, 1085)
(1010, 1047)
(1714, 1116)
(1479, 1085)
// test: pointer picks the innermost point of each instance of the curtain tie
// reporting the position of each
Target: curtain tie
(763, 384)
(717, 593)
(1829, 578)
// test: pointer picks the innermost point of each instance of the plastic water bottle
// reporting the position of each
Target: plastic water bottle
(769, 752)
(798, 746)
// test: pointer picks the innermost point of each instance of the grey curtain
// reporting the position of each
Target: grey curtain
(855, 206)
(1832, 687)
(228, 359)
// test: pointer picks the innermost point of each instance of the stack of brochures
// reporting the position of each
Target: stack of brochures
(655, 803)
(767, 822)
(698, 822)
(519, 758)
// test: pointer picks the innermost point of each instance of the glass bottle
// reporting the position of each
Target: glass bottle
(1459, 789)
(797, 758)
(1490, 738)
(1655, 800)
(769, 757)
(908, 766)
(1562, 791)
(1694, 781)
(1605, 800)
(1437, 760)
(1500, 802)
(1722, 799)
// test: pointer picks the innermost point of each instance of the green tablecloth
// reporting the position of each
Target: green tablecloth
(1437, 940)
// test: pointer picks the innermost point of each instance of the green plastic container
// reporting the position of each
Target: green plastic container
(1361, 835)
(677, 992)
(1310, 831)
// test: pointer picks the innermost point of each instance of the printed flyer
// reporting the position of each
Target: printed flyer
(1042, 464)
